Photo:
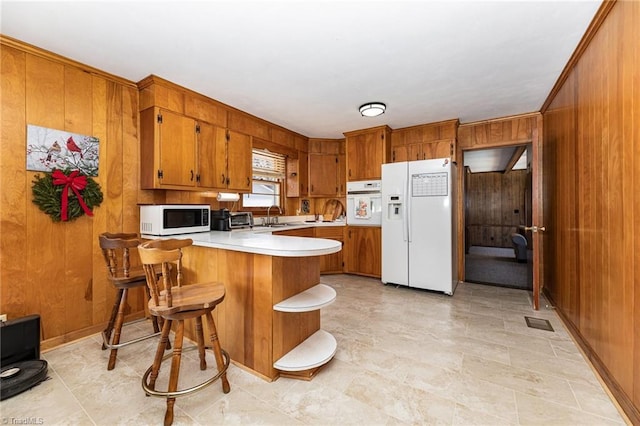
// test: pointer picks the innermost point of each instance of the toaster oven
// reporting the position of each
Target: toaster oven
(224, 220)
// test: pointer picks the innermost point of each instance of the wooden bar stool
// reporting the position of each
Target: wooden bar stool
(174, 302)
(115, 248)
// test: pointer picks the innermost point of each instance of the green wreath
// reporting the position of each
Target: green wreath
(49, 194)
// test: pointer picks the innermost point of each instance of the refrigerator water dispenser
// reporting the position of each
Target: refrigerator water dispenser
(394, 208)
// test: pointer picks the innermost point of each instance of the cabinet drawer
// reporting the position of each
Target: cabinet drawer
(331, 232)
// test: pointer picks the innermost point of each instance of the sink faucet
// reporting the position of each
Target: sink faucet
(269, 213)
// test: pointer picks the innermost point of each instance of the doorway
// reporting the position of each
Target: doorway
(497, 202)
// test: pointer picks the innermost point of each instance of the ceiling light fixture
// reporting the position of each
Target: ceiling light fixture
(372, 109)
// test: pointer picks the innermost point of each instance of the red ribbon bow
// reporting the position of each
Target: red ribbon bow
(77, 184)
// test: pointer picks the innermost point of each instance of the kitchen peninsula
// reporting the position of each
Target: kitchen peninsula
(259, 271)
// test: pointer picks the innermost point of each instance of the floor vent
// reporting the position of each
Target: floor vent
(540, 324)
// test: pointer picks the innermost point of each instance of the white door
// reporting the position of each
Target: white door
(395, 254)
(430, 221)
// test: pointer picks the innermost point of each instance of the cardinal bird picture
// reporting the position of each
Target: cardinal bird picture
(71, 146)
(49, 149)
(55, 149)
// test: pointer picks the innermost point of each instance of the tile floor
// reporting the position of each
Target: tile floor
(404, 357)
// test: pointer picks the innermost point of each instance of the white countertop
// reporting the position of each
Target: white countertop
(283, 226)
(262, 242)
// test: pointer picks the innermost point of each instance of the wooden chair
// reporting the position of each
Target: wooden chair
(115, 248)
(172, 301)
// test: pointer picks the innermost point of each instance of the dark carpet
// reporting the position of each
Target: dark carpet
(496, 266)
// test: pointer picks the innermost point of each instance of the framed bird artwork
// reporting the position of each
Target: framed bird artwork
(49, 149)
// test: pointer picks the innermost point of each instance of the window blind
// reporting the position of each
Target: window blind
(268, 165)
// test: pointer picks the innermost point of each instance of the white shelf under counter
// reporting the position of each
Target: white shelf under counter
(312, 299)
(315, 351)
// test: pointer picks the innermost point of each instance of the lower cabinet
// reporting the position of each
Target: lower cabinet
(363, 251)
(330, 263)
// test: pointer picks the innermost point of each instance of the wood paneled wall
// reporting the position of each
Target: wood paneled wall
(56, 269)
(495, 204)
(592, 165)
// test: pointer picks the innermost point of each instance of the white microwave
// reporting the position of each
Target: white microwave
(172, 219)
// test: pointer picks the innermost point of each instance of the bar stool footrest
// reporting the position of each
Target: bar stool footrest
(187, 391)
(107, 345)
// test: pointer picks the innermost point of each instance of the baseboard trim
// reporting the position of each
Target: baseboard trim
(627, 409)
(72, 336)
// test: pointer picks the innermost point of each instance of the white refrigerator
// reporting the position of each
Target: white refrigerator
(418, 226)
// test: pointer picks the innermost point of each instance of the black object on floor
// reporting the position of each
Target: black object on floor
(20, 366)
(540, 324)
(17, 378)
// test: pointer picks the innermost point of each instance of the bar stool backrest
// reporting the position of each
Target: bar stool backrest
(115, 249)
(163, 254)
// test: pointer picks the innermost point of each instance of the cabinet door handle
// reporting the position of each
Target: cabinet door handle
(191, 175)
(248, 182)
(222, 181)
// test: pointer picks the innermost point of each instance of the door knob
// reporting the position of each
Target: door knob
(534, 228)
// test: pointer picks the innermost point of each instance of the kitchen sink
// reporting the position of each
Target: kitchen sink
(273, 225)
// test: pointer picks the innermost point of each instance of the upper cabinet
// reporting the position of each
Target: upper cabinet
(326, 167)
(224, 159)
(424, 142)
(168, 149)
(430, 150)
(303, 173)
(212, 156)
(323, 174)
(367, 150)
(179, 152)
(192, 142)
(239, 167)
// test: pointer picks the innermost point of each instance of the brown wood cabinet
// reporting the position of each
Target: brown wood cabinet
(168, 149)
(239, 165)
(293, 177)
(179, 152)
(363, 251)
(224, 159)
(430, 150)
(323, 175)
(326, 168)
(303, 173)
(212, 161)
(367, 150)
(302, 232)
(330, 263)
(342, 175)
(425, 141)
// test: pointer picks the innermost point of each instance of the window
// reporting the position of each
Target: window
(268, 178)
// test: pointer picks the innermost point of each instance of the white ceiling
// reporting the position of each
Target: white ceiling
(308, 65)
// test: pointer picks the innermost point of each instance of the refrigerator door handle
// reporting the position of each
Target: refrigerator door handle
(406, 228)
